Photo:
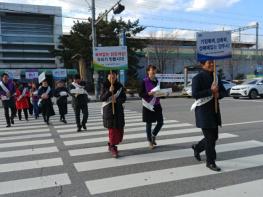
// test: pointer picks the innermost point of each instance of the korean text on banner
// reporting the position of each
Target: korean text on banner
(213, 45)
(14, 74)
(59, 73)
(110, 58)
(31, 75)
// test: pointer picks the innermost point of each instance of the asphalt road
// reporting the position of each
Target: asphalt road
(40, 160)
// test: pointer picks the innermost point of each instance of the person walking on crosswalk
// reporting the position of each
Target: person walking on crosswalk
(34, 98)
(79, 93)
(61, 93)
(22, 103)
(45, 94)
(206, 90)
(7, 95)
(113, 96)
(152, 109)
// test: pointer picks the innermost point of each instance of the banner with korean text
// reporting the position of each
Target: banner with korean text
(213, 45)
(110, 58)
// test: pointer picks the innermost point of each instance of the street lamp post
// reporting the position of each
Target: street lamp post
(117, 9)
(94, 44)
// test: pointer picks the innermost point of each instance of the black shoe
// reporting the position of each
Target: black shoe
(12, 121)
(9, 125)
(213, 167)
(79, 129)
(84, 127)
(47, 122)
(64, 121)
(196, 154)
(154, 141)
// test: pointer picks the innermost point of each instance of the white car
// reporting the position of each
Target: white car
(251, 88)
(188, 89)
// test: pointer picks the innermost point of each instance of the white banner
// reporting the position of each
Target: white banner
(174, 78)
(59, 73)
(41, 77)
(213, 45)
(110, 58)
(14, 74)
(31, 75)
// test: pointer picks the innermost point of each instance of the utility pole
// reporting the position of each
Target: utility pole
(94, 44)
(117, 9)
(257, 27)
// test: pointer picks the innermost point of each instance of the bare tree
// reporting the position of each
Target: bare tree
(162, 47)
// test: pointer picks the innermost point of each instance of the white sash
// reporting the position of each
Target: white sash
(63, 93)
(47, 92)
(3, 97)
(23, 94)
(149, 105)
(201, 102)
(110, 99)
(78, 90)
(35, 93)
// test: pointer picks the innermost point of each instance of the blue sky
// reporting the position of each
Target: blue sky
(172, 18)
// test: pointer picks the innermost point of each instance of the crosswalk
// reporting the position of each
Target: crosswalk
(49, 160)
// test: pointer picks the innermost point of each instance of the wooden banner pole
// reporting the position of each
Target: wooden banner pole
(112, 101)
(215, 82)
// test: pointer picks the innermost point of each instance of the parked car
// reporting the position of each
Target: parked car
(188, 89)
(228, 85)
(250, 88)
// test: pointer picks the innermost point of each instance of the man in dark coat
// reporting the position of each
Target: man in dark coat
(205, 91)
(45, 94)
(61, 93)
(152, 109)
(113, 117)
(7, 95)
(78, 91)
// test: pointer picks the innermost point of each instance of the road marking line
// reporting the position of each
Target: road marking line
(24, 127)
(34, 183)
(242, 123)
(8, 133)
(28, 165)
(25, 137)
(26, 152)
(130, 136)
(131, 146)
(159, 156)
(248, 189)
(168, 175)
(26, 143)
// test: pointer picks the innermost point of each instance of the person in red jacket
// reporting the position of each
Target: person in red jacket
(22, 94)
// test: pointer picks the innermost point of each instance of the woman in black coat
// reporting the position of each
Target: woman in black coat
(152, 109)
(45, 93)
(61, 93)
(113, 119)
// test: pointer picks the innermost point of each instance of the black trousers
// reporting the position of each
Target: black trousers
(155, 131)
(19, 112)
(30, 109)
(208, 144)
(9, 104)
(84, 110)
